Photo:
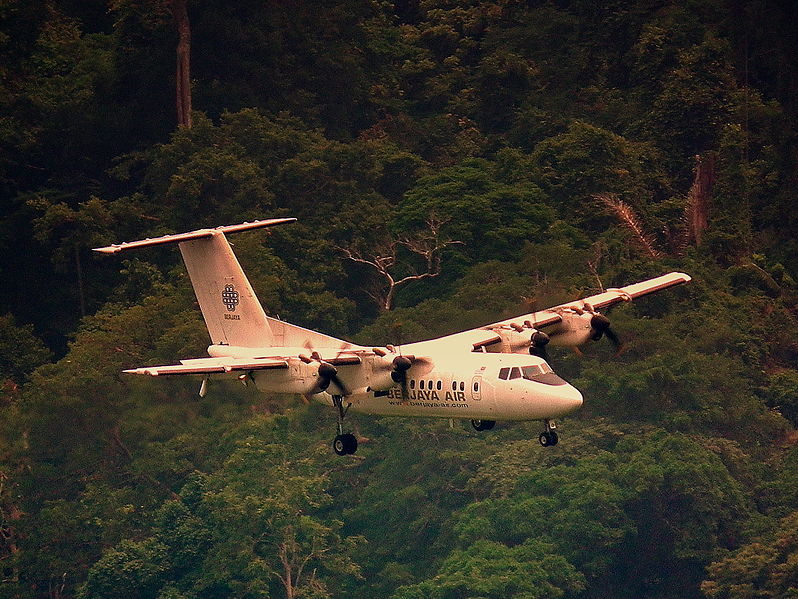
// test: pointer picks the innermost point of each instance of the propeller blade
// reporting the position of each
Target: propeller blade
(329, 374)
(601, 327)
(401, 364)
(616, 342)
(537, 345)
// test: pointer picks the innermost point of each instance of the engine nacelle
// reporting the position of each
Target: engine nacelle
(300, 377)
(573, 330)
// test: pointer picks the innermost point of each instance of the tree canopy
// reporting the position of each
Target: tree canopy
(537, 152)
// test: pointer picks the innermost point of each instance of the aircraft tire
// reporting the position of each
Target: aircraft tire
(345, 444)
(548, 438)
(483, 425)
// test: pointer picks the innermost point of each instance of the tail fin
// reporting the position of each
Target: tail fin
(232, 312)
(229, 306)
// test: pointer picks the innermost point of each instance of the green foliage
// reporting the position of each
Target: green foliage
(764, 568)
(492, 570)
(20, 351)
(499, 121)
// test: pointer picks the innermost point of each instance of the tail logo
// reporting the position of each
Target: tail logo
(230, 298)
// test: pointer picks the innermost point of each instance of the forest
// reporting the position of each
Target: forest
(500, 156)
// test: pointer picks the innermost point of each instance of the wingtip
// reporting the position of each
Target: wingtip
(109, 249)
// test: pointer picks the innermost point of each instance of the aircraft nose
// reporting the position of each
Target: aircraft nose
(570, 398)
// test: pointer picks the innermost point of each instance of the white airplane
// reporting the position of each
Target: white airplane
(494, 372)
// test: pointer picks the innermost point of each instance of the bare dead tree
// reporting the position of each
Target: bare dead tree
(428, 245)
(697, 209)
(179, 10)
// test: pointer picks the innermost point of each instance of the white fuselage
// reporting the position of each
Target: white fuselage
(468, 386)
(445, 384)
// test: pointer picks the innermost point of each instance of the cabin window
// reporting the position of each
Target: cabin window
(504, 374)
(421, 384)
(440, 385)
(476, 387)
(429, 384)
(462, 386)
(412, 383)
(454, 385)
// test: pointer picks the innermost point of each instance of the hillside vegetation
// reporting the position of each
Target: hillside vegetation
(544, 150)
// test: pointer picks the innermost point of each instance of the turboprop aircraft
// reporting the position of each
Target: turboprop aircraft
(495, 372)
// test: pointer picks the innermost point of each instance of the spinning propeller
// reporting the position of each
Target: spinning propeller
(600, 327)
(327, 373)
(401, 364)
(538, 343)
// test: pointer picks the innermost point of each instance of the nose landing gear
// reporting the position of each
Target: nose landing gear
(483, 425)
(549, 437)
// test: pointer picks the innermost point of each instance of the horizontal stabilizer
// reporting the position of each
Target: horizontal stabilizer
(198, 234)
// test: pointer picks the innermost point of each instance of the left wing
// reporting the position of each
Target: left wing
(212, 366)
(609, 297)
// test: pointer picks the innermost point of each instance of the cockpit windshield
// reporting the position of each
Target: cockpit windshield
(539, 373)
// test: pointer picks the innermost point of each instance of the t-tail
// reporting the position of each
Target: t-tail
(231, 310)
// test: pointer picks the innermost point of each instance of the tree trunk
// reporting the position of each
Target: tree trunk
(179, 10)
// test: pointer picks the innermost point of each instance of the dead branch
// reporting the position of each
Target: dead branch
(626, 215)
(428, 245)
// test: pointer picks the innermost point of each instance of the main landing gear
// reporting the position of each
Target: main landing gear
(343, 444)
(549, 437)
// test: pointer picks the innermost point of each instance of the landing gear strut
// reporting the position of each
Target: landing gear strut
(343, 444)
(549, 437)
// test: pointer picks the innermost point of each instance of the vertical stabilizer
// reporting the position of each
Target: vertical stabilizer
(229, 306)
(231, 311)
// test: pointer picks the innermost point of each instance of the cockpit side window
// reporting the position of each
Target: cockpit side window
(542, 374)
(515, 373)
(504, 373)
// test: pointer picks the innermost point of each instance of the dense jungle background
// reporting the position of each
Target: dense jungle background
(524, 153)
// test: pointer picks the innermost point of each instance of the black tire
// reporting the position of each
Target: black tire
(345, 444)
(545, 439)
(483, 425)
(554, 438)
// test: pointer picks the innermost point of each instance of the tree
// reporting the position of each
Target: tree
(427, 244)
(486, 569)
(21, 352)
(179, 9)
(764, 568)
(152, 14)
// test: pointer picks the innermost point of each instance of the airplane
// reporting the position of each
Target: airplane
(495, 372)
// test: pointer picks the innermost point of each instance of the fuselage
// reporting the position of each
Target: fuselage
(471, 386)
(445, 384)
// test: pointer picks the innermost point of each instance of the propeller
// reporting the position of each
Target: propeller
(401, 364)
(329, 374)
(600, 326)
(538, 343)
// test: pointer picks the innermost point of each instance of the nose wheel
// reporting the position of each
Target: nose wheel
(483, 425)
(549, 437)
